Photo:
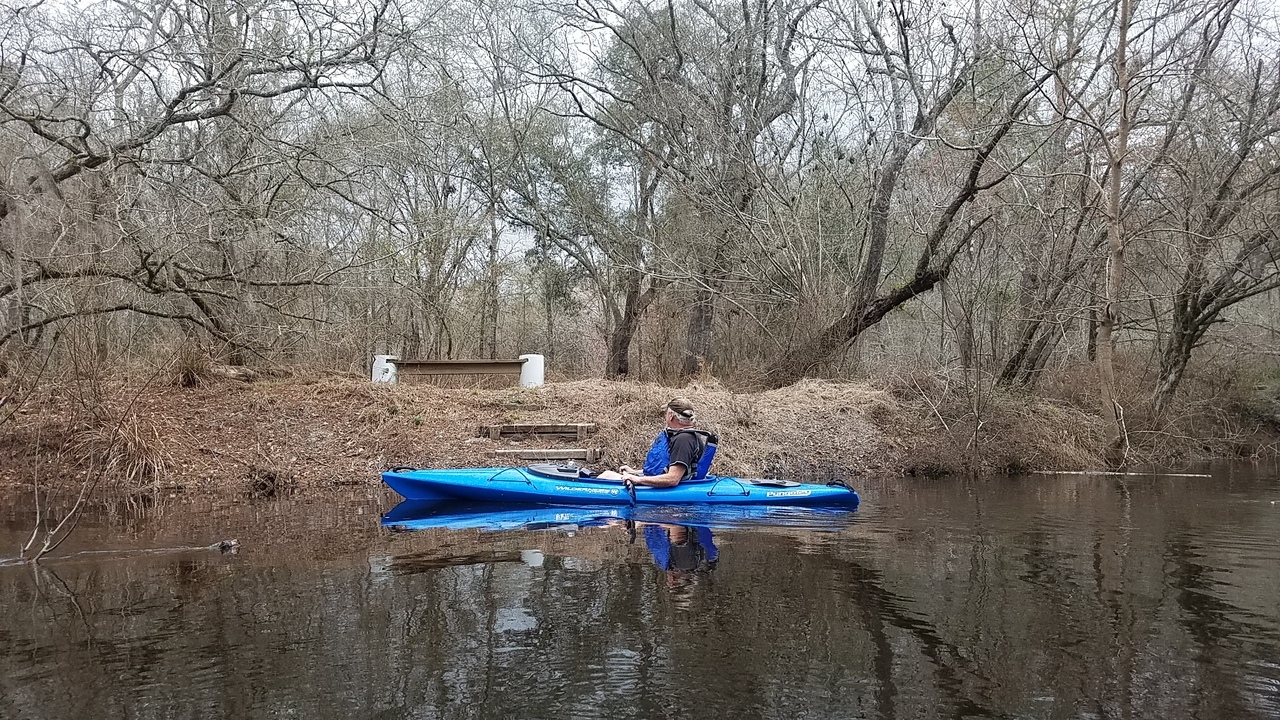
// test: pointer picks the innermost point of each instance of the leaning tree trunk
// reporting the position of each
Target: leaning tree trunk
(837, 336)
(1019, 369)
(932, 266)
(1173, 364)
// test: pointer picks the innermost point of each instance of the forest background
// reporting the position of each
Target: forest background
(974, 205)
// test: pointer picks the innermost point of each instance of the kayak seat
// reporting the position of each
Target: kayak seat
(708, 454)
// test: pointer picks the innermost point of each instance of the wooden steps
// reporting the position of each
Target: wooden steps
(591, 455)
(549, 431)
(575, 431)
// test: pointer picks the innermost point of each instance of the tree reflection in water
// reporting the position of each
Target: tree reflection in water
(993, 598)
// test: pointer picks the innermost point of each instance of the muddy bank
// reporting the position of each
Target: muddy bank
(265, 435)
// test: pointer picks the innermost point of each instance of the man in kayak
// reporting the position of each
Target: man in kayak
(675, 454)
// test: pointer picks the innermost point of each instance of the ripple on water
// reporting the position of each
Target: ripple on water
(1236, 570)
(1262, 687)
(1242, 549)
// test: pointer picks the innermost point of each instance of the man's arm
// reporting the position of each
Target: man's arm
(684, 449)
(670, 478)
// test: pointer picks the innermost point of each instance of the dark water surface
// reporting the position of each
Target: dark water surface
(1039, 597)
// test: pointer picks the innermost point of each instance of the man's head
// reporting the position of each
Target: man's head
(680, 412)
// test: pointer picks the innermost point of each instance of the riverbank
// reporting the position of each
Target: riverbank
(265, 435)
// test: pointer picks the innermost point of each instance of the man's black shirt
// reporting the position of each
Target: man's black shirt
(683, 448)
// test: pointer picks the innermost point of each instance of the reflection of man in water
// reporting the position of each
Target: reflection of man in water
(680, 549)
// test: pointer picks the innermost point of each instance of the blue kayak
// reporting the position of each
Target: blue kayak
(569, 484)
(466, 514)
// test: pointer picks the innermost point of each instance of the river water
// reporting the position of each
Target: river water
(1032, 597)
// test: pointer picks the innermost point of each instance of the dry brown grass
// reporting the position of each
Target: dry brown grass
(965, 424)
(275, 433)
(1218, 412)
(1222, 410)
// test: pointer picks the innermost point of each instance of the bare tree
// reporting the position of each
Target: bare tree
(111, 99)
(1140, 52)
(1227, 239)
(566, 197)
(917, 101)
(694, 87)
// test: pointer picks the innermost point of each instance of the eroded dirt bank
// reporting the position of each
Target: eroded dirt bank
(267, 434)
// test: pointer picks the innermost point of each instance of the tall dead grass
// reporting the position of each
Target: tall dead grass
(192, 367)
(128, 455)
(273, 434)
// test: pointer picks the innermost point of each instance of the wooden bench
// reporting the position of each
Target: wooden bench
(407, 370)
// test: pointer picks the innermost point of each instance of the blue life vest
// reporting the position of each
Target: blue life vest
(659, 542)
(659, 457)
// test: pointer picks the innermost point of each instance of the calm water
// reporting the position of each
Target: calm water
(1041, 597)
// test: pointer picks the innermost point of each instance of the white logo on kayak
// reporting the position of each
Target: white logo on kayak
(563, 517)
(595, 491)
(787, 493)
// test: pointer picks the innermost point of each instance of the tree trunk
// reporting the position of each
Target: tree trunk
(700, 340)
(1038, 358)
(635, 299)
(1014, 371)
(848, 326)
(413, 334)
(1091, 336)
(1173, 364)
(625, 326)
(1117, 447)
(701, 320)
(489, 303)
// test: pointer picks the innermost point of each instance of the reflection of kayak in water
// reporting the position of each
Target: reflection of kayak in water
(557, 484)
(461, 514)
(456, 515)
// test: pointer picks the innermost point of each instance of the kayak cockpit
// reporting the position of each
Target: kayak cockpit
(577, 473)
